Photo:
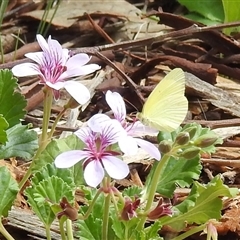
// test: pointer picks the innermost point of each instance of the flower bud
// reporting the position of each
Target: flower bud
(205, 141)
(162, 209)
(165, 146)
(68, 211)
(192, 131)
(129, 209)
(182, 138)
(190, 153)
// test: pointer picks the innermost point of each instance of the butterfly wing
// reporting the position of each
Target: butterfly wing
(166, 107)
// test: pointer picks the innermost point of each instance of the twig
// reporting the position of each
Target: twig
(139, 42)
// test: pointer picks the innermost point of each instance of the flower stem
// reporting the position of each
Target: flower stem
(47, 105)
(152, 189)
(43, 140)
(106, 217)
(107, 202)
(69, 229)
(48, 232)
(4, 232)
(55, 123)
(62, 232)
(90, 207)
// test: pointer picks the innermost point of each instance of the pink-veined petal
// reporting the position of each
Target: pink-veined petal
(65, 56)
(35, 56)
(96, 121)
(25, 69)
(116, 103)
(78, 91)
(84, 133)
(128, 145)
(70, 158)
(55, 48)
(111, 131)
(115, 167)
(137, 129)
(150, 148)
(42, 42)
(81, 70)
(57, 85)
(93, 173)
(77, 61)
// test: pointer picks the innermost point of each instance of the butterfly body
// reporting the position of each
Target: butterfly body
(166, 107)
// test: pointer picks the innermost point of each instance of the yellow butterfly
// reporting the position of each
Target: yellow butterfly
(166, 106)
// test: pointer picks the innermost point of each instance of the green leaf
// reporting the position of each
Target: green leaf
(3, 126)
(150, 233)
(54, 148)
(91, 228)
(43, 211)
(12, 103)
(78, 174)
(175, 172)
(50, 170)
(117, 226)
(212, 9)
(232, 13)
(202, 204)
(48, 192)
(8, 191)
(132, 191)
(22, 142)
(201, 19)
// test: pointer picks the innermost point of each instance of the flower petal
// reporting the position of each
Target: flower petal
(42, 42)
(77, 61)
(78, 91)
(116, 103)
(111, 131)
(84, 133)
(70, 158)
(57, 85)
(35, 56)
(150, 148)
(79, 71)
(25, 69)
(93, 173)
(128, 145)
(137, 129)
(55, 48)
(96, 121)
(115, 167)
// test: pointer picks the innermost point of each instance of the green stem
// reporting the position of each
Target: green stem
(106, 185)
(47, 105)
(4, 232)
(69, 229)
(61, 228)
(126, 232)
(43, 140)
(48, 232)
(86, 215)
(190, 232)
(152, 189)
(56, 122)
(106, 217)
